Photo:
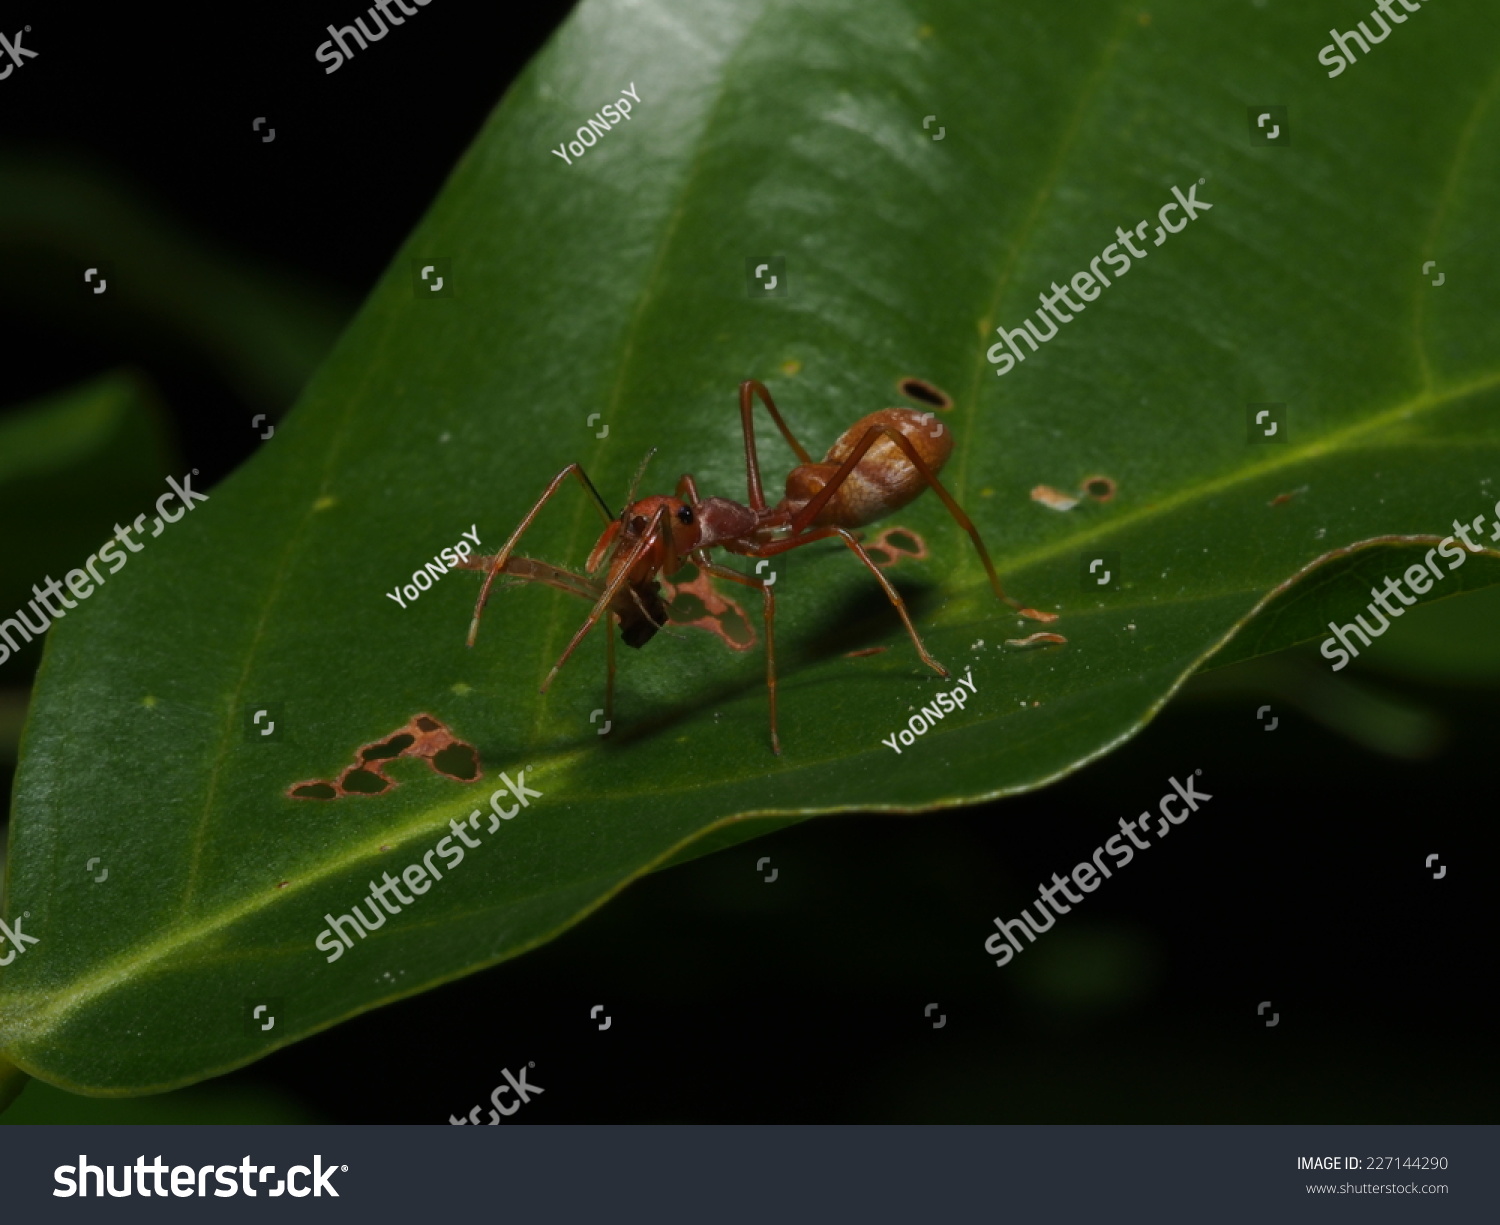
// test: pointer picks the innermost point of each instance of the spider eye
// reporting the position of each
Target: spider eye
(685, 516)
(638, 524)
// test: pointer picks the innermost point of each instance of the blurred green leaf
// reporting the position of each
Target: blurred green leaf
(12, 716)
(42, 1104)
(619, 285)
(12, 1081)
(264, 328)
(1341, 587)
(1088, 969)
(1348, 704)
(71, 466)
(1449, 641)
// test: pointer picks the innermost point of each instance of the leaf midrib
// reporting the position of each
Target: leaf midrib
(1427, 400)
(426, 824)
(180, 936)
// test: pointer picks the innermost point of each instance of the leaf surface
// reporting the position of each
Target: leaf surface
(622, 285)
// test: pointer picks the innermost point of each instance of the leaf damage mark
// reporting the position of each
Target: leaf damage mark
(889, 544)
(697, 605)
(1096, 488)
(1054, 499)
(423, 736)
(1281, 499)
(1037, 639)
(924, 392)
(1100, 488)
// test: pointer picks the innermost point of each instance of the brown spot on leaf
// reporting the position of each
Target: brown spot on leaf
(924, 392)
(697, 604)
(457, 761)
(393, 747)
(1100, 488)
(362, 782)
(1032, 640)
(895, 543)
(688, 608)
(1056, 499)
(424, 737)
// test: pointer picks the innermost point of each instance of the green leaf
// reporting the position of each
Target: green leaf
(1449, 641)
(12, 1081)
(618, 285)
(1379, 721)
(71, 466)
(44, 1105)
